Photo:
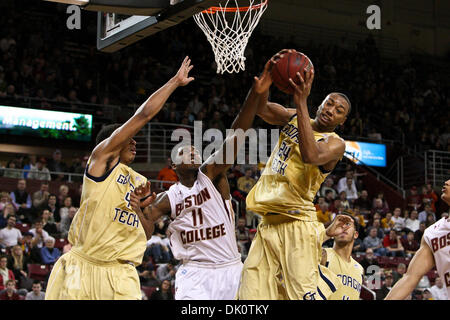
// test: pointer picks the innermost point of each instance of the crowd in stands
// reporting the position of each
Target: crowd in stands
(390, 98)
(34, 225)
(402, 96)
(35, 167)
(388, 236)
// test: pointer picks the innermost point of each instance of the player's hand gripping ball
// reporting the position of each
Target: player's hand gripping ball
(287, 67)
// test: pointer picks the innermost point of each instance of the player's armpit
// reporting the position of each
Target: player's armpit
(421, 263)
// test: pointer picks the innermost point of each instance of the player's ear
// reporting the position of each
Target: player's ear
(356, 235)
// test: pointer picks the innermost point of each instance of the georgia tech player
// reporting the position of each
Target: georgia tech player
(108, 237)
(202, 231)
(288, 243)
(434, 251)
(339, 260)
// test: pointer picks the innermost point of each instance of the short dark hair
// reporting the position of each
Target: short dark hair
(37, 220)
(106, 132)
(346, 99)
(37, 282)
(11, 216)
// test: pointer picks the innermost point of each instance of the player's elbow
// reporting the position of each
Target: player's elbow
(311, 158)
(145, 114)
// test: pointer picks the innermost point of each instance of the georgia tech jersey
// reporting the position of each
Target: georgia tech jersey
(350, 273)
(105, 226)
(288, 185)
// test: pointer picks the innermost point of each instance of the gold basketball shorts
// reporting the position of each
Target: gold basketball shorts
(76, 276)
(284, 263)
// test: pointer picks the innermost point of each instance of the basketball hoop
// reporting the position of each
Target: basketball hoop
(228, 30)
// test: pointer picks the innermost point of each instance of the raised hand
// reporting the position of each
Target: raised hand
(340, 224)
(263, 83)
(302, 90)
(139, 193)
(182, 77)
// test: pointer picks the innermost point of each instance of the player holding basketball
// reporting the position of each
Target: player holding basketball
(434, 251)
(288, 243)
(108, 237)
(339, 260)
(202, 231)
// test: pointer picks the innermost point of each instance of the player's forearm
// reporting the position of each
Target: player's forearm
(263, 102)
(308, 146)
(233, 143)
(147, 223)
(326, 237)
(403, 288)
(244, 119)
(263, 106)
(157, 100)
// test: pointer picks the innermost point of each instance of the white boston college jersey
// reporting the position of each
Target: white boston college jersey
(202, 228)
(437, 236)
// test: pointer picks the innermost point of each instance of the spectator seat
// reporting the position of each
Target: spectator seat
(23, 227)
(39, 271)
(367, 294)
(148, 290)
(60, 243)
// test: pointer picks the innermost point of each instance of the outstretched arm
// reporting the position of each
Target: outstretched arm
(110, 148)
(224, 158)
(319, 153)
(150, 209)
(421, 263)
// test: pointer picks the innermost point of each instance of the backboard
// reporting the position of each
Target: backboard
(129, 24)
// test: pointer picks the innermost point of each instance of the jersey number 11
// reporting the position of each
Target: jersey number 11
(197, 213)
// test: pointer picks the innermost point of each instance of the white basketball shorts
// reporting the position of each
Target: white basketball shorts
(197, 281)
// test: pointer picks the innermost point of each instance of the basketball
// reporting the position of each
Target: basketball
(287, 67)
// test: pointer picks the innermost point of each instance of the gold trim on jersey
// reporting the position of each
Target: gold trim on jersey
(288, 185)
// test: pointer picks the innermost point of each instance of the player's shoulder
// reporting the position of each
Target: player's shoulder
(335, 137)
(436, 227)
(328, 250)
(174, 190)
(331, 137)
(357, 265)
(330, 254)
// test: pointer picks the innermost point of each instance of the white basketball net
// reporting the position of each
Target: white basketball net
(229, 37)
